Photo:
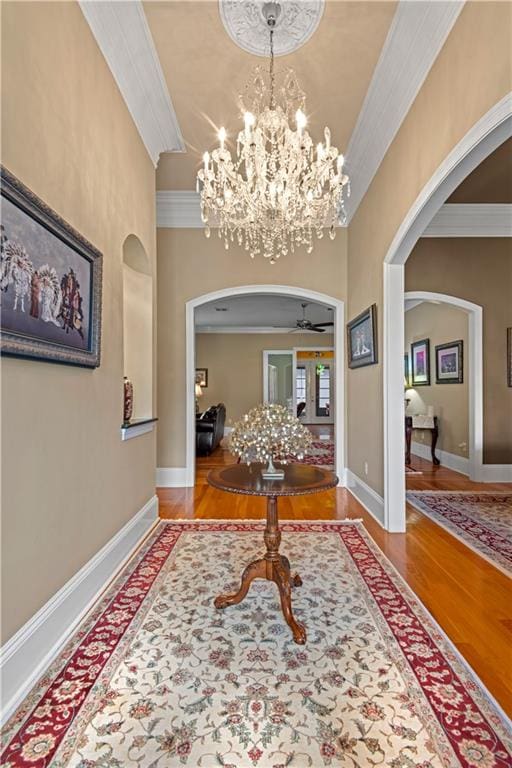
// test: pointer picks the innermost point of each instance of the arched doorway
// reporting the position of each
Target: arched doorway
(485, 136)
(284, 290)
(475, 371)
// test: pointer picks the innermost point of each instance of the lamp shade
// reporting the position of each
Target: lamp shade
(199, 391)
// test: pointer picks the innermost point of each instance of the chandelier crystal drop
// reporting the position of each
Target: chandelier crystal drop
(279, 191)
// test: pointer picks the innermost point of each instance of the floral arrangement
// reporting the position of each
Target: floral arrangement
(269, 432)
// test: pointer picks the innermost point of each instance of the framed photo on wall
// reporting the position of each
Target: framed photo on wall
(449, 363)
(202, 377)
(362, 338)
(50, 283)
(420, 363)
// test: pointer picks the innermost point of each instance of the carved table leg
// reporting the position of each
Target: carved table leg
(282, 578)
(295, 580)
(274, 567)
(255, 570)
(435, 433)
(408, 435)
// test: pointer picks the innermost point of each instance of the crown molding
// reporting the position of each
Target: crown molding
(122, 33)
(181, 209)
(178, 209)
(471, 220)
(416, 35)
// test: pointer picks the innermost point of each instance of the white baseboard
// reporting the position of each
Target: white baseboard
(171, 477)
(370, 499)
(495, 473)
(27, 654)
(450, 460)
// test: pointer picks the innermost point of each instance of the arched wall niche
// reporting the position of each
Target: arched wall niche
(138, 325)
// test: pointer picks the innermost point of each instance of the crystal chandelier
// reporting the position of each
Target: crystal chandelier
(279, 191)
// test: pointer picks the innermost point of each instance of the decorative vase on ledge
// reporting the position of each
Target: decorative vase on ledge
(127, 402)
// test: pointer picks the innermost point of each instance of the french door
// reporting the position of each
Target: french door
(314, 387)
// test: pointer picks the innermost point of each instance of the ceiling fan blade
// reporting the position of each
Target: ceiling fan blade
(322, 325)
(318, 330)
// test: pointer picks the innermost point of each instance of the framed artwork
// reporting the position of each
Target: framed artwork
(420, 363)
(449, 363)
(50, 283)
(509, 357)
(202, 377)
(362, 338)
(407, 380)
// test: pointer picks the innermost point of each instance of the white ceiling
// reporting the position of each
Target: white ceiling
(258, 312)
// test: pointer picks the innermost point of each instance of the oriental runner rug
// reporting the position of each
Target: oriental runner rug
(321, 454)
(156, 677)
(483, 520)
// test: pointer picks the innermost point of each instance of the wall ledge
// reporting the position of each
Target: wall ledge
(137, 427)
(35, 645)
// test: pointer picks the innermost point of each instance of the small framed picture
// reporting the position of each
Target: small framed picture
(420, 363)
(407, 373)
(509, 357)
(449, 363)
(362, 338)
(202, 377)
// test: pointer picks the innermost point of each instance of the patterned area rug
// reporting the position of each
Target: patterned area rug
(156, 677)
(483, 521)
(320, 455)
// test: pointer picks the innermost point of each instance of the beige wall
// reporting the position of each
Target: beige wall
(470, 75)
(441, 324)
(235, 365)
(478, 270)
(189, 265)
(69, 483)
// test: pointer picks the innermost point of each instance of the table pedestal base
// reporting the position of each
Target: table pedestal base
(273, 567)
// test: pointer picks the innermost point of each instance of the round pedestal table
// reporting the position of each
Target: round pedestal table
(299, 479)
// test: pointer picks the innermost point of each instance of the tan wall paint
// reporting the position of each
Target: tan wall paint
(69, 483)
(189, 265)
(235, 365)
(479, 270)
(470, 75)
(441, 324)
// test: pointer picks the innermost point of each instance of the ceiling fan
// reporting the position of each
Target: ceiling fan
(304, 324)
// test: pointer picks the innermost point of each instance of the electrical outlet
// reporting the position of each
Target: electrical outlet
(463, 446)
(366, 468)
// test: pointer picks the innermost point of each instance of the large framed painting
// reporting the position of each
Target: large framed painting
(420, 363)
(362, 338)
(50, 283)
(449, 363)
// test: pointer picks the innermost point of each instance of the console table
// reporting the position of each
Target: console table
(408, 434)
(299, 479)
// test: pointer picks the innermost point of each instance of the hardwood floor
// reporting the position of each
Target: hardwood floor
(469, 598)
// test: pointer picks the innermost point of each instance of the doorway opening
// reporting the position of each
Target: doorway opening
(240, 320)
(485, 136)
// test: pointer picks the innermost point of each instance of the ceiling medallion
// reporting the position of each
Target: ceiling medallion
(278, 191)
(246, 24)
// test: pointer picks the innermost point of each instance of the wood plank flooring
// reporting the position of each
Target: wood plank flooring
(469, 598)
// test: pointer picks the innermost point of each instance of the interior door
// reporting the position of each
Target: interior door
(314, 390)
